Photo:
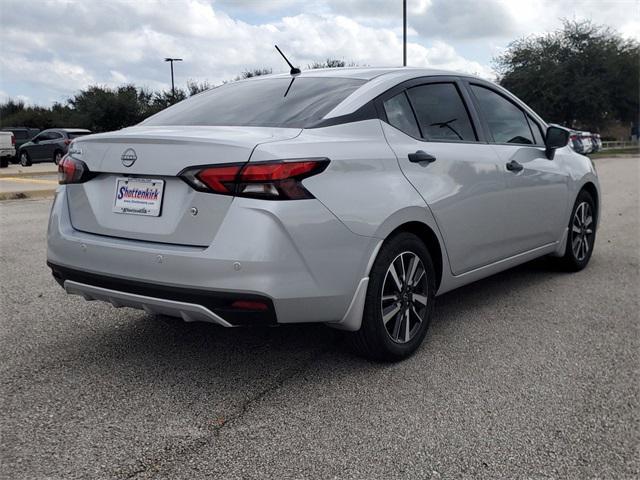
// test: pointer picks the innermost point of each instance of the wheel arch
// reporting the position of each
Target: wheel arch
(592, 190)
(431, 241)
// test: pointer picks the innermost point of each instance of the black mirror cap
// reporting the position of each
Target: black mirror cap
(557, 137)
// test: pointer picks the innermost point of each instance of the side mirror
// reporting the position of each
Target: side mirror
(557, 137)
(34, 140)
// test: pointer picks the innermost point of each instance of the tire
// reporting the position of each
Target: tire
(25, 160)
(582, 234)
(4, 162)
(393, 340)
(57, 156)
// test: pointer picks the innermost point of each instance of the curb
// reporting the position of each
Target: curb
(27, 174)
(28, 194)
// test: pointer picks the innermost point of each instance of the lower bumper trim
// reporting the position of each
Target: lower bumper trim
(187, 303)
(189, 312)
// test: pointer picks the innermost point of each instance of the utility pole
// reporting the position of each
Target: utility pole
(404, 33)
(171, 60)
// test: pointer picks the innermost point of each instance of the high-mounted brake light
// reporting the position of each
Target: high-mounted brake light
(281, 180)
(71, 170)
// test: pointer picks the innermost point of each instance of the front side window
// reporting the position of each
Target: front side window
(441, 113)
(295, 102)
(400, 115)
(536, 129)
(506, 122)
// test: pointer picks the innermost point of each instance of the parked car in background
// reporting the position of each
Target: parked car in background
(586, 142)
(575, 141)
(349, 196)
(597, 142)
(22, 136)
(7, 148)
(49, 145)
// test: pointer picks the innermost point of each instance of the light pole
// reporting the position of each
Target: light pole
(171, 60)
(404, 33)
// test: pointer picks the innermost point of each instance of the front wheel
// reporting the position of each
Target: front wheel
(582, 233)
(25, 161)
(399, 301)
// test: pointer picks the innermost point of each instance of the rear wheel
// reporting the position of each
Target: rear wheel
(57, 156)
(25, 161)
(399, 301)
(582, 233)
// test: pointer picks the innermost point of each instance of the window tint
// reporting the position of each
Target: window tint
(536, 129)
(441, 112)
(271, 102)
(73, 135)
(399, 114)
(55, 136)
(44, 136)
(507, 123)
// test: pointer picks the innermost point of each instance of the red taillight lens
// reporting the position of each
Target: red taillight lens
(67, 141)
(280, 180)
(13, 139)
(71, 170)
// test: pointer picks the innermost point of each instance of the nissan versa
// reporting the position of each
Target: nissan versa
(351, 197)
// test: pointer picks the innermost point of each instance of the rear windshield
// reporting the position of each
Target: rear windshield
(77, 134)
(273, 102)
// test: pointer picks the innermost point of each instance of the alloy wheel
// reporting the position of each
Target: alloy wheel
(404, 297)
(57, 158)
(582, 231)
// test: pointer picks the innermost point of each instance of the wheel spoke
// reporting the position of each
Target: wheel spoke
(404, 272)
(413, 309)
(576, 229)
(396, 327)
(386, 298)
(588, 221)
(390, 312)
(420, 298)
(394, 275)
(413, 265)
(407, 329)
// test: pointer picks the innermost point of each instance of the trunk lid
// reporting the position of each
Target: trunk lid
(187, 217)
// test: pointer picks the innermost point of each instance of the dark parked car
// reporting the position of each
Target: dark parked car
(22, 136)
(49, 145)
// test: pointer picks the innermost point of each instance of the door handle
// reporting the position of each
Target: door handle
(514, 166)
(421, 156)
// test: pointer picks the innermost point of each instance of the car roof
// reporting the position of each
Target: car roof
(366, 73)
(68, 130)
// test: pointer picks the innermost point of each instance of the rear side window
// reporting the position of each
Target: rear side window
(400, 115)
(296, 102)
(441, 113)
(507, 123)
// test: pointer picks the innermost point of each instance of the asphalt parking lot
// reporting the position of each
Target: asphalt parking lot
(531, 373)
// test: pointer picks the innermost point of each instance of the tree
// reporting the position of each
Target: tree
(331, 63)
(254, 72)
(582, 75)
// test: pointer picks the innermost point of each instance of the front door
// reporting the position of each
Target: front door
(537, 188)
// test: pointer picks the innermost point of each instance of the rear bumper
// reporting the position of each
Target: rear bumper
(189, 304)
(296, 256)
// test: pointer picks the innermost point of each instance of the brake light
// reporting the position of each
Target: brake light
(13, 139)
(71, 170)
(281, 180)
(67, 141)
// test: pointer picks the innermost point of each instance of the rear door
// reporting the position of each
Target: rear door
(431, 130)
(537, 188)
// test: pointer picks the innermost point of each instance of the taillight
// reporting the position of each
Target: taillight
(71, 170)
(13, 139)
(281, 180)
(67, 141)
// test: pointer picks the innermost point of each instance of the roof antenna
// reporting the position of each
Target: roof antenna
(294, 70)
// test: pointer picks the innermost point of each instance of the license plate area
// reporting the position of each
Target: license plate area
(138, 196)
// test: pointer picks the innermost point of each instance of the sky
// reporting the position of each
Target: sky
(53, 48)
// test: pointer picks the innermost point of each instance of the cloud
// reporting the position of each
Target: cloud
(110, 42)
(122, 41)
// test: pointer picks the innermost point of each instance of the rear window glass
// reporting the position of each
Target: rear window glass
(73, 135)
(273, 102)
(20, 134)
